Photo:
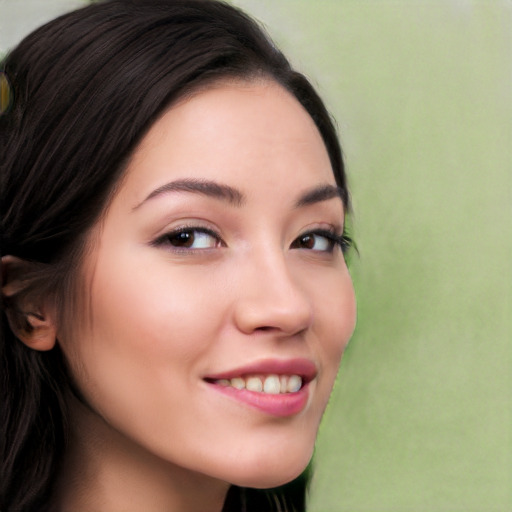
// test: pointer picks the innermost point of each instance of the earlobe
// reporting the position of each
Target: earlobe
(28, 317)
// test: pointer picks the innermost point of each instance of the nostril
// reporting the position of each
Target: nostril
(265, 328)
(270, 329)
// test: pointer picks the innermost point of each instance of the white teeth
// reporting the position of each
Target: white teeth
(238, 383)
(254, 384)
(294, 384)
(272, 385)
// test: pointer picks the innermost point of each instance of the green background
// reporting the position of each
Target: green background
(421, 416)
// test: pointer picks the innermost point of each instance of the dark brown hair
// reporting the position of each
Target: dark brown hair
(85, 88)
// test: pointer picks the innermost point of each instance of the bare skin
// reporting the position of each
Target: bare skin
(100, 473)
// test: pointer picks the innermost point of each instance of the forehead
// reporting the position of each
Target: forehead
(244, 134)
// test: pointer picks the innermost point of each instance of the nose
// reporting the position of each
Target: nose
(271, 298)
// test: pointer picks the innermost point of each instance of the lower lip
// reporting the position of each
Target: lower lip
(279, 405)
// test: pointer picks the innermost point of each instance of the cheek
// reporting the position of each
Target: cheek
(144, 336)
(342, 311)
(154, 305)
(335, 321)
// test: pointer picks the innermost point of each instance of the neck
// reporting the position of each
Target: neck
(103, 471)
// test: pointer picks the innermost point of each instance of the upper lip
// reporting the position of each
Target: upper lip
(304, 368)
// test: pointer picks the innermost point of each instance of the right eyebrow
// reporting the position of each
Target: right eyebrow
(205, 187)
(319, 194)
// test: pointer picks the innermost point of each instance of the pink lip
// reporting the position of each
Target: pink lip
(280, 405)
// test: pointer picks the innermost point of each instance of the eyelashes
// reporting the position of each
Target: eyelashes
(187, 239)
(322, 240)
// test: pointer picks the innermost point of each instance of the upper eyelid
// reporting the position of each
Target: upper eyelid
(193, 224)
(330, 230)
(324, 227)
(183, 228)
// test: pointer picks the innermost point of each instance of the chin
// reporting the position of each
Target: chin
(269, 481)
(268, 473)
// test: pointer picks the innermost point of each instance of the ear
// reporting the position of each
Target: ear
(29, 317)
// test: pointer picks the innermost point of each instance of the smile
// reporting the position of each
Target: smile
(279, 388)
(271, 384)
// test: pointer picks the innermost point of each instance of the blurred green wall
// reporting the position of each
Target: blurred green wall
(421, 417)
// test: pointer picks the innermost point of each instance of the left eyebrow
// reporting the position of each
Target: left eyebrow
(204, 187)
(319, 194)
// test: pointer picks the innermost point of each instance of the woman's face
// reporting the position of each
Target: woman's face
(217, 266)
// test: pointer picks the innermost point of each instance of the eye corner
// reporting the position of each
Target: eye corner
(346, 242)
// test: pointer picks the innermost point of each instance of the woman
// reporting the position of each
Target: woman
(175, 294)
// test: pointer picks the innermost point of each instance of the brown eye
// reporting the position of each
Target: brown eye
(307, 242)
(183, 239)
(322, 242)
(193, 238)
